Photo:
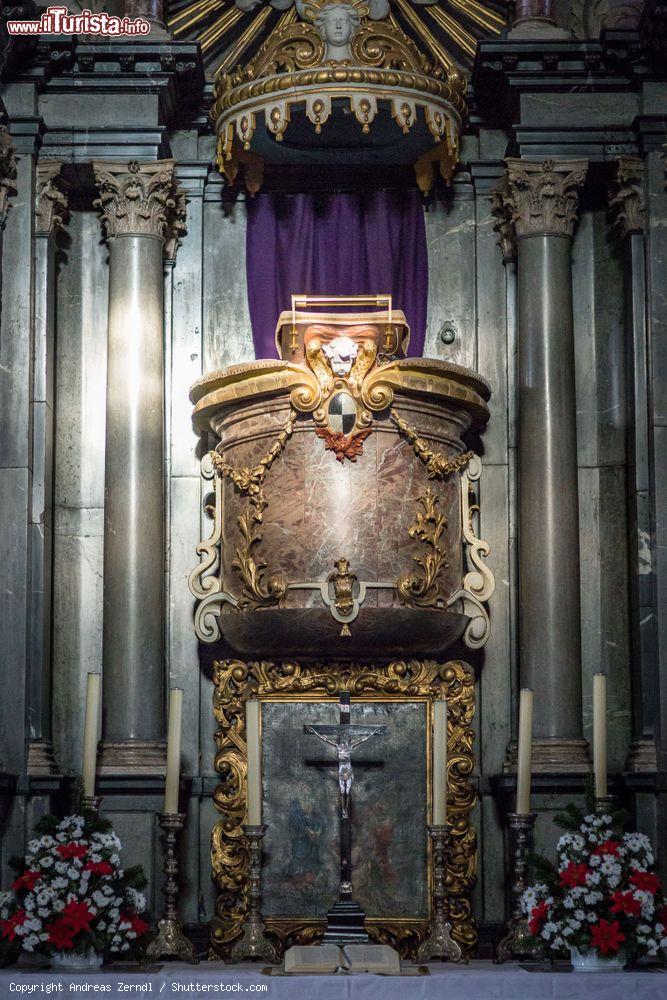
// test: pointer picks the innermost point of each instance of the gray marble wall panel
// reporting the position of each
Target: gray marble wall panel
(81, 324)
(450, 233)
(227, 330)
(14, 606)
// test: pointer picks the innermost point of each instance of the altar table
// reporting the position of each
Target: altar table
(480, 980)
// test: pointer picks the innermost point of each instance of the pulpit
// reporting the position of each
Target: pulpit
(343, 557)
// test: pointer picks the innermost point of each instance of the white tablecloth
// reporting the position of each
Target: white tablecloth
(476, 981)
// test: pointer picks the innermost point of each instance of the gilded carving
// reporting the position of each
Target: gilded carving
(438, 466)
(544, 197)
(50, 200)
(135, 198)
(7, 173)
(235, 682)
(626, 196)
(420, 588)
(344, 446)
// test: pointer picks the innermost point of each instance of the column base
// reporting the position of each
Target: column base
(553, 756)
(41, 762)
(132, 757)
(642, 756)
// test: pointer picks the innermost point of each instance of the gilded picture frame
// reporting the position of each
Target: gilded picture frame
(400, 681)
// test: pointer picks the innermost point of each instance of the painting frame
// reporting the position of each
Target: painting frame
(236, 681)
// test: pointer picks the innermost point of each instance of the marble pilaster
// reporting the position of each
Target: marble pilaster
(542, 199)
(136, 200)
(50, 216)
(628, 207)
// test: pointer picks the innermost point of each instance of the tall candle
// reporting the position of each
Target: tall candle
(600, 734)
(90, 733)
(173, 750)
(254, 763)
(439, 763)
(524, 751)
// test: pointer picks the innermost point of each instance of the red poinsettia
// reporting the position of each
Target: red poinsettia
(574, 875)
(77, 916)
(538, 915)
(60, 934)
(98, 868)
(647, 881)
(609, 847)
(625, 902)
(72, 850)
(138, 925)
(8, 927)
(607, 936)
(26, 881)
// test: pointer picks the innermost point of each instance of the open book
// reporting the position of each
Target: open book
(315, 958)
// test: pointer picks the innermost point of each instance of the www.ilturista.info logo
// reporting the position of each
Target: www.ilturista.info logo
(60, 21)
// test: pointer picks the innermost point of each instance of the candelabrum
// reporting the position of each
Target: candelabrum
(91, 803)
(253, 942)
(518, 942)
(171, 942)
(439, 943)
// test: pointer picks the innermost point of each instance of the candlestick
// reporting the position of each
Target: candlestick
(518, 942)
(90, 733)
(439, 763)
(171, 942)
(439, 943)
(600, 734)
(173, 751)
(525, 749)
(254, 763)
(254, 942)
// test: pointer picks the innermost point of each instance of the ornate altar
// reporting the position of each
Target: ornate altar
(343, 499)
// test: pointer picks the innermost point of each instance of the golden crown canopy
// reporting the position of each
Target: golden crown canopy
(344, 80)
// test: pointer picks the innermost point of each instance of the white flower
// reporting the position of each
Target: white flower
(58, 905)
(644, 929)
(29, 902)
(137, 899)
(46, 861)
(579, 915)
(43, 912)
(73, 874)
(569, 903)
(594, 861)
(30, 942)
(61, 867)
(568, 931)
(647, 903)
(592, 918)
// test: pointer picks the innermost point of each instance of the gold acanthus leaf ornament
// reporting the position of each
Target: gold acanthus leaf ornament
(420, 588)
(438, 466)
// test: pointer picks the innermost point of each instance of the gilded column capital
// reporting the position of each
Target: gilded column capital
(135, 198)
(7, 173)
(544, 197)
(626, 196)
(502, 212)
(176, 227)
(50, 201)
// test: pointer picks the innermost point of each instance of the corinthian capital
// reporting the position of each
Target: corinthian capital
(544, 197)
(50, 201)
(135, 198)
(7, 173)
(501, 210)
(626, 196)
(176, 227)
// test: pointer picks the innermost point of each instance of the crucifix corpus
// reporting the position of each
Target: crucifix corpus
(345, 919)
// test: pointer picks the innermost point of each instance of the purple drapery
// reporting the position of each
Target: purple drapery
(335, 244)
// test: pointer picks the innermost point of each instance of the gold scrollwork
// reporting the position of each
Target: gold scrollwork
(420, 588)
(235, 682)
(438, 466)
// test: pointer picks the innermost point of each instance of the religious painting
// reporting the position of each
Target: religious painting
(301, 807)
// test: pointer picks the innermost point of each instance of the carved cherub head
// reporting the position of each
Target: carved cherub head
(341, 353)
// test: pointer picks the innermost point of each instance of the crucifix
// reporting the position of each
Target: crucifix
(345, 919)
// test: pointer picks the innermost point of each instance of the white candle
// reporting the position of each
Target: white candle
(90, 734)
(525, 750)
(439, 763)
(600, 734)
(173, 750)
(252, 718)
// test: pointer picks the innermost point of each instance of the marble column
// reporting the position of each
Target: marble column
(543, 200)
(135, 200)
(628, 207)
(50, 216)
(533, 19)
(153, 11)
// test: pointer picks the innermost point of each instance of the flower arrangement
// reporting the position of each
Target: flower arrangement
(71, 893)
(603, 897)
